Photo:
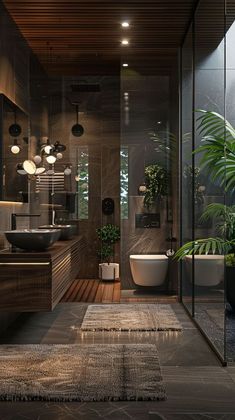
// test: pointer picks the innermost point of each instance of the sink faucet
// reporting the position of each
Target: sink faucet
(15, 215)
(53, 217)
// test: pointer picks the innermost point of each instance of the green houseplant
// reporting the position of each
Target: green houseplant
(108, 235)
(156, 181)
(218, 148)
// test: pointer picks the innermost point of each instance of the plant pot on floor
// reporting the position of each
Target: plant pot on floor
(109, 271)
(230, 286)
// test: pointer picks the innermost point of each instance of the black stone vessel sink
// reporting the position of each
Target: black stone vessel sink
(66, 231)
(32, 239)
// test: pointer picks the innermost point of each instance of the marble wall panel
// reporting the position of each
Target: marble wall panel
(141, 240)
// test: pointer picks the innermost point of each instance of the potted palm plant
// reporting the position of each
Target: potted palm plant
(218, 147)
(108, 235)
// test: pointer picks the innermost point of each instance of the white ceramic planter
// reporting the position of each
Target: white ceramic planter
(109, 271)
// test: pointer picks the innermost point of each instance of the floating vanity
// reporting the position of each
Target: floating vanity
(36, 281)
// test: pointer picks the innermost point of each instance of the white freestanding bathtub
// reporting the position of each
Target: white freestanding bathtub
(208, 269)
(149, 270)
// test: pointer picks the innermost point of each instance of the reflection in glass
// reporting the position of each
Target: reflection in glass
(83, 182)
(124, 182)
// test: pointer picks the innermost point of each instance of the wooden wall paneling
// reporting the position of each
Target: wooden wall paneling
(31, 282)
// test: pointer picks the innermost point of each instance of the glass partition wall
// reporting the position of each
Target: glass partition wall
(207, 173)
(148, 158)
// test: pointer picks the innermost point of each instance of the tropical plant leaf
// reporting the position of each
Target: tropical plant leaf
(213, 210)
(207, 245)
(217, 148)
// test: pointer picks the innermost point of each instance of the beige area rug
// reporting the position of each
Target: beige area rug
(80, 372)
(130, 317)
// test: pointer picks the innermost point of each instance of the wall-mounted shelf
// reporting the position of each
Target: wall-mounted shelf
(36, 281)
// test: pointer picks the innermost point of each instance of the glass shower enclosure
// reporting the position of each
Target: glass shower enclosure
(207, 193)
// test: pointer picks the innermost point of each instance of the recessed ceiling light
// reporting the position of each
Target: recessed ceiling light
(125, 65)
(125, 24)
(125, 42)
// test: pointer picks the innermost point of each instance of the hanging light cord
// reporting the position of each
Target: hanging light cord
(77, 111)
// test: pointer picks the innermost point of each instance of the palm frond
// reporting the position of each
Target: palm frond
(204, 246)
(218, 148)
(212, 121)
(214, 210)
(165, 143)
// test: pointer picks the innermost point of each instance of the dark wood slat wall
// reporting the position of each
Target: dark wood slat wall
(87, 34)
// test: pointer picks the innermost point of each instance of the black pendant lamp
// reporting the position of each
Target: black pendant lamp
(77, 129)
(15, 129)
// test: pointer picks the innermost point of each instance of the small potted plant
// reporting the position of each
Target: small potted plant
(108, 235)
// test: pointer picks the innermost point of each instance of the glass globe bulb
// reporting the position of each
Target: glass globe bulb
(20, 170)
(47, 149)
(59, 155)
(67, 171)
(29, 167)
(40, 170)
(50, 172)
(15, 149)
(37, 159)
(51, 159)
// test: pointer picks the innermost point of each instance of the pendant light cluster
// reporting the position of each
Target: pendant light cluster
(53, 152)
(49, 153)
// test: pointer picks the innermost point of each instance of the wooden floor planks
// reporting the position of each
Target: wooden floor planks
(89, 290)
(97, 291)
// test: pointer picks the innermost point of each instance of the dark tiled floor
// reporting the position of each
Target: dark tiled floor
(197, 386)
(191, 416)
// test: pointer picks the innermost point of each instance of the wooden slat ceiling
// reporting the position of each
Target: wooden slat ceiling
(84, 35)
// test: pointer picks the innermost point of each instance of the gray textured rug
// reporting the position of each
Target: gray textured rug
(80, 372)
(130, 317)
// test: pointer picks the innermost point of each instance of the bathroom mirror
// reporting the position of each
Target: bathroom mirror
(13, 149)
